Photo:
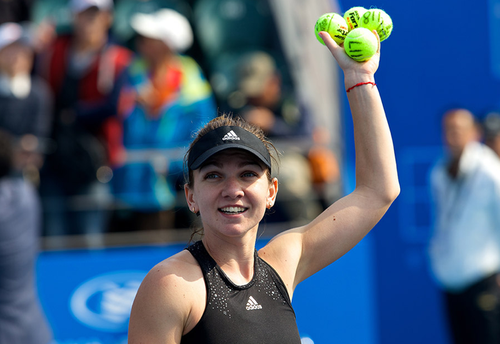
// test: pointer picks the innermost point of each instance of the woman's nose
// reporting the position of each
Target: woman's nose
(232, 188)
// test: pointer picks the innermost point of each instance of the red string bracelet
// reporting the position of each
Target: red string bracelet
(360, 84)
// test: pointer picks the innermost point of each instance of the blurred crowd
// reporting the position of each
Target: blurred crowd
(102, 98)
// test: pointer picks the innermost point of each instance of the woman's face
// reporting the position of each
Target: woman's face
(231, 191)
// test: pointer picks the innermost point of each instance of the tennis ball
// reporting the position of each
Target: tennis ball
(352, 17)
(377, 19)
(360, 44)
(332, 23)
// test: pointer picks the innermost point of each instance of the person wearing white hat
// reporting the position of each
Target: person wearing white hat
(26, 109)
(77, 6)
(91, 22)
(16, 60)
(165, 25)
(172, 100)
(86, 73)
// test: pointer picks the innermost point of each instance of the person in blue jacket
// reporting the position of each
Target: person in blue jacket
(168, 99)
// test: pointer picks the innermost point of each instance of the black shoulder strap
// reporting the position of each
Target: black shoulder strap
(199, 252)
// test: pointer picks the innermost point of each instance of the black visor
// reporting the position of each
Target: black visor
(224, 138)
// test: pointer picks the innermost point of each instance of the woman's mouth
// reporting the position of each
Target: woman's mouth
(232, 210)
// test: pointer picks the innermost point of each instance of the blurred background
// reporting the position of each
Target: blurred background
(103, 140)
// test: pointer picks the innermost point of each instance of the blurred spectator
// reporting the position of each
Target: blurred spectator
(125, 9)
(86, 73)
(171, 100)
(266, 102)
(491, 129)
(307, 164)
(465, 246)
(20, 11)
(325, 168)
(21, 317)
(25, 100)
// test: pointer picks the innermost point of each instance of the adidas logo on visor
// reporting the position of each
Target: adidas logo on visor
(230, 136)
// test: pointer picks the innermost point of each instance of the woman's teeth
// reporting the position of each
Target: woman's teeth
(232, 210)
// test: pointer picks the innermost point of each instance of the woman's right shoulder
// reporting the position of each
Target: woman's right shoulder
(177, 282)
(173, 289)
(181, 268)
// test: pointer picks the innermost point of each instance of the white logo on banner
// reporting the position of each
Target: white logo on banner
(104, 302)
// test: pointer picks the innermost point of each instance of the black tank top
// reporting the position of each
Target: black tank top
(258, 312)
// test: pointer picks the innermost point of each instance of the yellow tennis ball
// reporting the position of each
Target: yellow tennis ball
(332, 23)
(360, 44)
(377, 19)
(353, 15)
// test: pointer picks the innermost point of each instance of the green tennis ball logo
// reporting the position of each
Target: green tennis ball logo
(334, 24)
(353, 16)
(360, 44)
(376, 19)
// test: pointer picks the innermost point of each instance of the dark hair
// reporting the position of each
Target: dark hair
(229, 120)
(221, 121)
(6, 153)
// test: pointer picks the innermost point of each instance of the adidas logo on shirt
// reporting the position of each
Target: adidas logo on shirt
(252, 304)
(230, 136)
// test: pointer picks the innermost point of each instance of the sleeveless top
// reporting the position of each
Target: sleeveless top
(258, 312)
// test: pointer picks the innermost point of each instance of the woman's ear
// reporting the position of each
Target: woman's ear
(272, 193)
(188, 192)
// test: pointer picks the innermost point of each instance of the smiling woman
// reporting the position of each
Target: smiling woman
(229, 145)
(220, 289)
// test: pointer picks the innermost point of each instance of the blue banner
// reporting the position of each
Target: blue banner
(87, 294)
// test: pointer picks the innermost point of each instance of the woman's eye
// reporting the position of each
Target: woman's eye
(249, 174)
(211, 176)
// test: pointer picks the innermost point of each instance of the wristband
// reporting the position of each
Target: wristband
(361, 84)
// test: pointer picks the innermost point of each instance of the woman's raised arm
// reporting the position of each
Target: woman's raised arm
(301, 252)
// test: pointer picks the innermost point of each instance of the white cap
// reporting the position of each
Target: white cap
(11, 33)
(77, 6)
(166, 25)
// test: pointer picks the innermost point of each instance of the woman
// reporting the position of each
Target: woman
(220, 290)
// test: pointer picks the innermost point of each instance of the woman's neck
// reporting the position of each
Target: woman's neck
(235, 257)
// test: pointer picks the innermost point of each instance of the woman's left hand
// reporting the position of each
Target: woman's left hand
(351, 67)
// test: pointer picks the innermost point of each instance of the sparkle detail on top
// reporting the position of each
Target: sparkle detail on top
(220, 288)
